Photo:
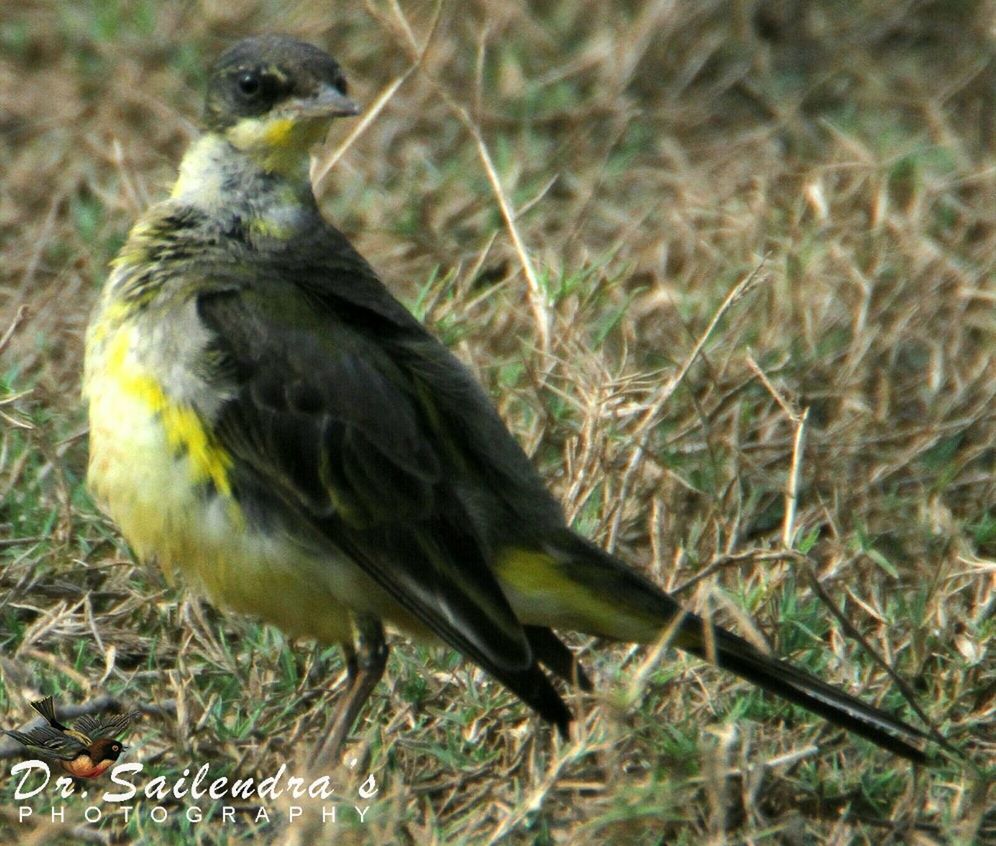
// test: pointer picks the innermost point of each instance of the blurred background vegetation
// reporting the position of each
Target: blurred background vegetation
(654, 154)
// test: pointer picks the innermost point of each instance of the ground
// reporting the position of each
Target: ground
(567, 193)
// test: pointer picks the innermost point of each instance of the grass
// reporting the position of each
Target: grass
(654, 155)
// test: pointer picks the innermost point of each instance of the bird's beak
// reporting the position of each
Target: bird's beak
(327, 102)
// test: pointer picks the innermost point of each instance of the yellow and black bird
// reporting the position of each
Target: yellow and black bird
(86, 750)
(267, 419)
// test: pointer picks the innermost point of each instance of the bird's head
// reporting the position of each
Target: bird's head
(273, 97)
(106, 749)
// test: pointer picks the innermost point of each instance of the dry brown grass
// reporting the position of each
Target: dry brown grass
(649, 155)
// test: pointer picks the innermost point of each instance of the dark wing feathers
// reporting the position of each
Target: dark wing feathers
(105, 725)
(557, 657)
(342, 286)
(326, 418)
(51, 741)
(457, 620)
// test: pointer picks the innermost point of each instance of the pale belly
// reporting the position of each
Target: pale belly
(144, 482)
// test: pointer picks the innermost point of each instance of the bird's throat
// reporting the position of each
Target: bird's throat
(242, 184)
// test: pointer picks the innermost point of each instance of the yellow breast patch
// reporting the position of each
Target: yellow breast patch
(183, 427)
(150, 458)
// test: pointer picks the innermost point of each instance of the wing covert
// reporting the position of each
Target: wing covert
(324, 418)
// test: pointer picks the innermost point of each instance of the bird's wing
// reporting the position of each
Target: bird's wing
(324, 423)
(105, 725)
(49, 741)
(513, 497)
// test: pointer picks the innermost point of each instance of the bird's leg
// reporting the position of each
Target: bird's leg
(364, 668)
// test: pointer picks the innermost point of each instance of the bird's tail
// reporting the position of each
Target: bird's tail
(783, 679)
(574, 584)
(46, 707)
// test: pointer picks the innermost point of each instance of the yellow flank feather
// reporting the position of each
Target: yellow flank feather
(183, 429)
(541, 591)
(149, 459)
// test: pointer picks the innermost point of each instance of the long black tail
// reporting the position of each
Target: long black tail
(783, 679)
(643, 612)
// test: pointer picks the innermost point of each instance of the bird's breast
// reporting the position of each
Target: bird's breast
(154, 464)
(83, 766)
(157, 469)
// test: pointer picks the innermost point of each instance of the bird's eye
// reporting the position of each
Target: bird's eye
(249, 85)
(340, 86)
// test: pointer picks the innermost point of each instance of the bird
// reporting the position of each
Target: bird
(267, 420)
(87, 750)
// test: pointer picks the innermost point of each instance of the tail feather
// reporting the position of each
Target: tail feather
(642, 611)
(46, 707)
(789, 682)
